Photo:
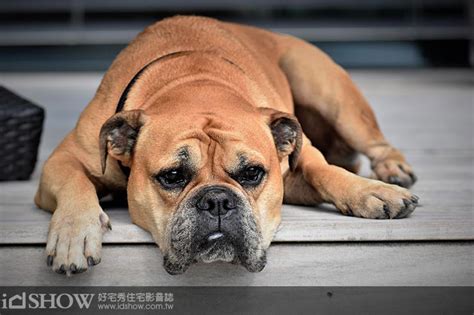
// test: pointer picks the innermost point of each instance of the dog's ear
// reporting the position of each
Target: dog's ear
(118, 136)
(287, 134)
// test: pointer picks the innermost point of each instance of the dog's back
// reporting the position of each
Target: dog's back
(254, 50)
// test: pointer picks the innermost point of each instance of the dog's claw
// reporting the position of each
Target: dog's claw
(91, 262)
(104, 220)
(407, 203)
(394, 180)
(61, 270)
(386, 210)
(49, 260)
(410, 205)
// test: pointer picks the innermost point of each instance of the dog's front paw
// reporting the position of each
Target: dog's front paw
(393, 169)
(378, 200)
(75, 240)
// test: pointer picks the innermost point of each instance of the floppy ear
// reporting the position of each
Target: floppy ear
(118, 136)
(287, 134)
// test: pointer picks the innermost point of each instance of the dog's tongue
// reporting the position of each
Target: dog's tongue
(214, 236)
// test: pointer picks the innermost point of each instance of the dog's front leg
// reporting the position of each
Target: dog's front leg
(78, 222)
(352, 194)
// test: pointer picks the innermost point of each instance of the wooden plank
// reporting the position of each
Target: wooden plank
(407, 264)
(20, 224)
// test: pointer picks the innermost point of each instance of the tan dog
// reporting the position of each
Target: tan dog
(200, 114)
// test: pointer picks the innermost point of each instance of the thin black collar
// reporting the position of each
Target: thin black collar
(128, 88)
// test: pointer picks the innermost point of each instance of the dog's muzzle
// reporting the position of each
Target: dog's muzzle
(214, 224)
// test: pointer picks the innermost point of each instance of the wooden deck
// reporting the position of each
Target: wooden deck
(426, 113)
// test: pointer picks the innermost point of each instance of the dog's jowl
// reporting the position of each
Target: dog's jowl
(209, 127)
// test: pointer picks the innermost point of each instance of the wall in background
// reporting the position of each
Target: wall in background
(86, 35)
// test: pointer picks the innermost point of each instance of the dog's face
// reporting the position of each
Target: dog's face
(207, 182)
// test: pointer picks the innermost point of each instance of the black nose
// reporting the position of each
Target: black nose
(218, 201)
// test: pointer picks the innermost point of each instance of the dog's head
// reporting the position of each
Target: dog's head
(205, 180)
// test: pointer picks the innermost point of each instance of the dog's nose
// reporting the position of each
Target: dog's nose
(217, 201)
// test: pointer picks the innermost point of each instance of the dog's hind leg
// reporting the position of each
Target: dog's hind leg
(326, 139)
(320, 85)
(78, 222)
(298, 191)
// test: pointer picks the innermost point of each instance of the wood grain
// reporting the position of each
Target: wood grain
(378, 264)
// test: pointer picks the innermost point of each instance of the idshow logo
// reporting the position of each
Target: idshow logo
(46, 301)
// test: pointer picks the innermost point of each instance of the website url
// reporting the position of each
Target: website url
(137, 306)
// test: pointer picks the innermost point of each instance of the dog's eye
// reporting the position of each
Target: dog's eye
(251, 176)
(171, 179)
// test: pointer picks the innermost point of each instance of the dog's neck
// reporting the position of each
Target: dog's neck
(177, 70)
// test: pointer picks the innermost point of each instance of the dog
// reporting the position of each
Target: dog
(209, 127)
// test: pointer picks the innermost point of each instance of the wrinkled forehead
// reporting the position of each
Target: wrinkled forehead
(196, 140)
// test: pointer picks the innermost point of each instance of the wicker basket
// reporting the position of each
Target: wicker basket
(21, 123)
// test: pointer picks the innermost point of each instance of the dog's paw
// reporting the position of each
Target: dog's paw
(75, 240)
(394, 171)
(378, 200)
